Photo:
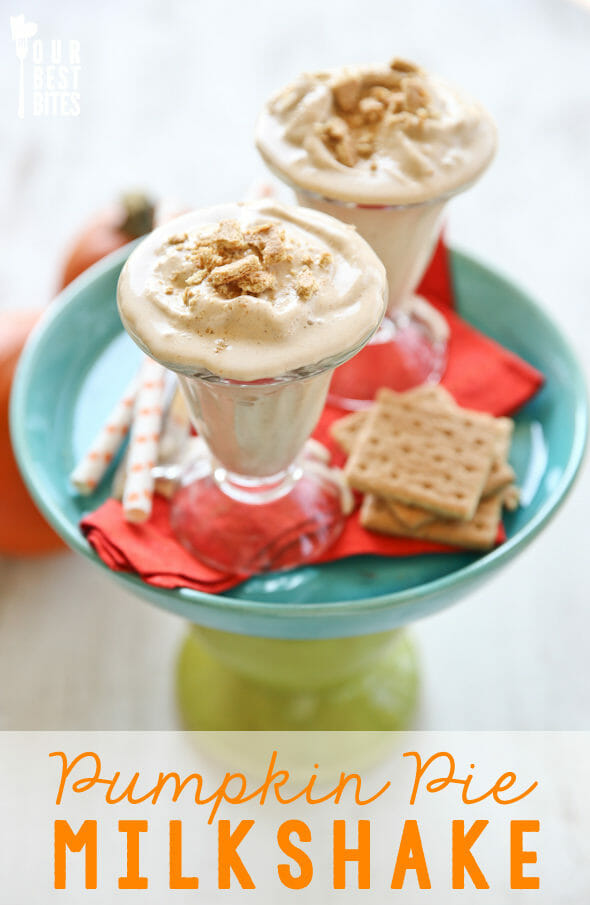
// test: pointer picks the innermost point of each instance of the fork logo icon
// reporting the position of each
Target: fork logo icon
(21, 31)
(55, 69)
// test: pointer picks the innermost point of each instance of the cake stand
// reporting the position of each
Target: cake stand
(317, 647)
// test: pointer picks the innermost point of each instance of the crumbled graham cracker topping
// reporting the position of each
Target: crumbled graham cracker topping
(306, 284)
(337, 137)
(232, 259)
(246, 274)
(400, 65)
(363, 106)
(236, 261)
(347, 94)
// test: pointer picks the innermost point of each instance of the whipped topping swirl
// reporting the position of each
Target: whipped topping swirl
(251, 291)
(376, 134)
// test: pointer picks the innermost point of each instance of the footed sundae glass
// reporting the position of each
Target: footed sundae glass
(410, 347)
(381, 147)
(253, 306)
(258, 503)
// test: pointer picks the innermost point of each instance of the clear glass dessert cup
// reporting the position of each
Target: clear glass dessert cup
(410, 348)
(258, 503)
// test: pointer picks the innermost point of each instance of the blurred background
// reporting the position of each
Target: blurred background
(169, 92)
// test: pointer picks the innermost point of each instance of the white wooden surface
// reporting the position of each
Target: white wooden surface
(169, 94)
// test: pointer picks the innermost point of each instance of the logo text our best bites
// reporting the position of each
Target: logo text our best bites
(49, 72)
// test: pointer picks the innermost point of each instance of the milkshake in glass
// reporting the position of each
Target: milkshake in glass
(253, 306)
(382, 147)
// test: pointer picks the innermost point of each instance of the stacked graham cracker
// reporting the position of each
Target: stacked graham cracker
(429, 469)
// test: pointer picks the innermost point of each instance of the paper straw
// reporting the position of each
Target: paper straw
(144, 442)
(120, 478)
(177, 428)
(336, 475)
(176, 451)
(316, 450)
(433, 319)
(193, 455)
(92, 467)
(317, 460)
(175, 437)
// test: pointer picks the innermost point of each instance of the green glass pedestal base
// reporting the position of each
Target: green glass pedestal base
(235, 682)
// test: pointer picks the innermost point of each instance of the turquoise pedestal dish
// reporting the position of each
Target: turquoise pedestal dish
(318, 647)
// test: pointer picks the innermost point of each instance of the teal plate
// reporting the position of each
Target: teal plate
(79, 359)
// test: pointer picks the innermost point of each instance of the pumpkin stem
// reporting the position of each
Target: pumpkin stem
(139, 214)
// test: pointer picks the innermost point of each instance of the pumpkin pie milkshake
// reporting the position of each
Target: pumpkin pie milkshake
(253, 306)
(382, 147)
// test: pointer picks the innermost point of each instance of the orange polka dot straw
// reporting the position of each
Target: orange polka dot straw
(91, 468)
(144, 442)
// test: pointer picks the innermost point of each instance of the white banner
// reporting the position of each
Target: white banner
(287, 817)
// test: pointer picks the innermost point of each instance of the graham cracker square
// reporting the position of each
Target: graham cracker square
(346, 430)
(436, 456)
(501, 476)
(480, 533)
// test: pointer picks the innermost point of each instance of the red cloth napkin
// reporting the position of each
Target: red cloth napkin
(481, 374)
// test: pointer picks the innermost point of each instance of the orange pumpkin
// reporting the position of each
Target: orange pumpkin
(23, 530)
(107, 231)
